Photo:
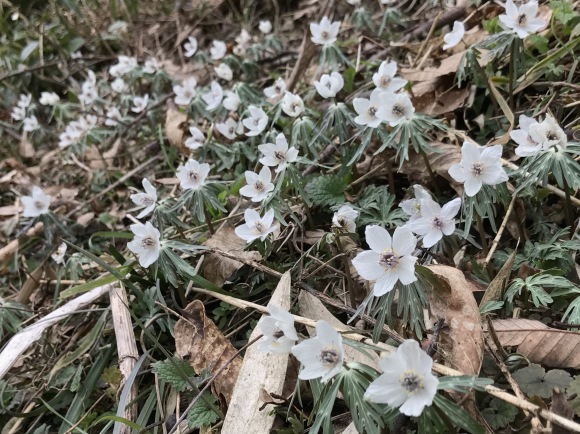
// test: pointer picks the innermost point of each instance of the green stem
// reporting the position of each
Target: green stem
(512, 71)
(429, 170)
(481, 231)
(349, 282)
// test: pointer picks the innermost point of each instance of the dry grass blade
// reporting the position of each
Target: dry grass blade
(200, 341)
(258, 372)
(499, 282)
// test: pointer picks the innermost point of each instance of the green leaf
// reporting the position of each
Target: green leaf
(458, 415)
(174, 371)
(201, 415)
(27, 51)
(490, 306)
(87, 286)
(499, 413)
(574, 389)
(326, 190)
(534, 380)
(540, 42)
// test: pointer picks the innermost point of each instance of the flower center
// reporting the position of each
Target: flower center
(328, 85)
(278, 334)
(192, 175)
(522, 19)
(551, 135)
(477, 168)
(256, 122)
(329, 356)
(411, 381)
(438, 222)
(295, 106)
(148, 242)
(385, 80)
(324, 35)
(259, 227)
(372, 110)
(38, 204)
(388, 260)
(146, 200)
(398, 110)
(259, 185)
(279, 155)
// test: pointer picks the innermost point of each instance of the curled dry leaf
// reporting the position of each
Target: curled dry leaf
(198, 340)
(539, 343)
(175, 127)
(261, 375)
(217, 268)
(452, 299)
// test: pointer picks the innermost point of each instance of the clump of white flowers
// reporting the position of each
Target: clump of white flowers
(534, 137)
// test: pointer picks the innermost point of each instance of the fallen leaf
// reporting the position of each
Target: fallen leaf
(175, 126)
(215, 267)
(260, 374)
(507, 111)
(452, 299)
(561, 407)
(440, 160)
(28, 287)
(447, 66)
(25, 147)
(499, 282)
(439, 102)
(198, 340)
(311, 307)
(539, 343)
(101, 160)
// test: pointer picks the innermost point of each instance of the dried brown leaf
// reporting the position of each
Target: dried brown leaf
(499, 282)
(452, 299)
(25, 147)
(561, 407)
(215, 267)
(440, 160)
(198, 340)
(175, 127)
(260, 376)
(539, 343)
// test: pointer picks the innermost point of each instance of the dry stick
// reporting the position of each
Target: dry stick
(210, 382)
(437, 367)
(126, 346)
(431, 30)
(495, 241)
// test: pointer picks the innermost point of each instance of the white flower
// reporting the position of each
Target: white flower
(435, 221)
(151, 66)
(145, 244)
(353, 2)
(76, 130)
(228, 128)
(412, 207)
(292, 104)
(547, 133)
(36, 204)
(24, 100)
(18, 113)
(521, 20)
(406, 381)
(321, 356)
(89, 93)
(125, 65)
(478, 166)
(147, 199)
(385, 79)
(224, 72)
(76, 55)
(113, 117)
(389, 260)
(343, 219)
(231, 101)
(243, 40)
(49, 98)
(329, 85)
(256, 122)
(397, 108)
(455, 36)
(196, 140)
(370, 111)
(259, 185)
(325, 32)
(265, 26)
(278, 154)
(218, 50)
(256, 227)
(527, 146)
(192, 175)
(277, 89)
(213, 99)
(278, 330)
(119, 85)
(140, 103)
(190, 46)
(185, 92)
(92, 78)
(30, 123)
(58, 256)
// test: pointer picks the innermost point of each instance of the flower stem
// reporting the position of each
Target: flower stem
(481, 231)
(208, 222)
(512, 71)
(349, 282)
(429, 170)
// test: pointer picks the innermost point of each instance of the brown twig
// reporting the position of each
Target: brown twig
(495, 241)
